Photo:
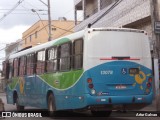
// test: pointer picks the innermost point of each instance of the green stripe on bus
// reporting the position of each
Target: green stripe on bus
(61, 41)
(62, 80)
(14, 82)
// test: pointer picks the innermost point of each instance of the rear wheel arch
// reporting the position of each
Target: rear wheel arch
(15, 95)
(51, 104)
(48, 93)
(15, 101)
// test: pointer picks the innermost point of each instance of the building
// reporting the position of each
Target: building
(38, 33)
(136, 14)
(115, 13)
(2, 82)
(13, 47)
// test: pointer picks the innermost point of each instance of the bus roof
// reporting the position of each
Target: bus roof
(72, 36)
(118, 29)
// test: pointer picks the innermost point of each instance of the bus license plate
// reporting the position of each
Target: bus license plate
(134, 71)
(121, 86)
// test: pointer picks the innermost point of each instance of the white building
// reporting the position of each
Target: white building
(115, 13)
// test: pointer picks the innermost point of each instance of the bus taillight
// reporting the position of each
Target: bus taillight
(150, 80)
(91, 86)
(148, 85)
(89, 80)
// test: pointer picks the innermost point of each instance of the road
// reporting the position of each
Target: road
(117, 115)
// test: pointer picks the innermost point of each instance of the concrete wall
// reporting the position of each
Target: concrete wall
(13, 47)
(60, 28)
(91, 7)
(123, 13)
(105, 3)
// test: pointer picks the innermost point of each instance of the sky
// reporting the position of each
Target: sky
(13, 25)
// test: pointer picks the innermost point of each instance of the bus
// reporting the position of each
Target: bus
(96, 69)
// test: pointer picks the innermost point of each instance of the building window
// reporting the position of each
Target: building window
(25, 40)
(52, 59)
(36, 34)
(65, 57)
(54, 29)
(22, 67)
(31, 64)
(105, 3)
(16, 66)
(91, 7)
(40, 62)
(78, 54)
(30, 38)
(11, 68)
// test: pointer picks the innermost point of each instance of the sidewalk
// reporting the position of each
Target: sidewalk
(153, 107)
(2, 94)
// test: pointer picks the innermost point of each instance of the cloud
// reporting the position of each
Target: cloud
(8, 36)
(11, 35)
(24, 16)
(12, 27)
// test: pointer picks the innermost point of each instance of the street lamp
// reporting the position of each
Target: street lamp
(49, 18)
(33, 10)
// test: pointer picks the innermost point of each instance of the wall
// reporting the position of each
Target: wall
(124, 12)
(91, 7)
(59, 28)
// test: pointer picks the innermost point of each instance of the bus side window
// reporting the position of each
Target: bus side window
(28, 64)
(40, 68)
(31, 64)
(15, 67)
(6, 69)
(65, 57)
(78, 54)
(22, 68)
(11, 70)
(52, 59)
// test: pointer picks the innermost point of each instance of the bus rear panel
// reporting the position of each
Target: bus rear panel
(118, 68)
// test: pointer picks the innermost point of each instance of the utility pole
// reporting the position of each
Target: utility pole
(155, 19)
(49, 19)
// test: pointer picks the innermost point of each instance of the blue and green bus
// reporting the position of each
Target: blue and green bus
(97, 69)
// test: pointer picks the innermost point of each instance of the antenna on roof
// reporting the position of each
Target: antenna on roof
(89, 25)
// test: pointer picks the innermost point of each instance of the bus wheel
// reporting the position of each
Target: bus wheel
(51, 106)
(19, 107)
(101, 113)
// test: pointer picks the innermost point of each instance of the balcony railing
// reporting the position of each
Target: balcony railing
(118, 14)
(77, 1)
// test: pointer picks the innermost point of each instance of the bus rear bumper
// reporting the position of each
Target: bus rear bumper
(133, 100)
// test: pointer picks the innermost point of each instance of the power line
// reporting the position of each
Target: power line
(33, 34)
(25, 13)
(99, 17)
(10, 11)
(69, 30)
(21, 40)
(62, 29)
(22, 9)
(31, 4)
(114, 5)
(40, 19)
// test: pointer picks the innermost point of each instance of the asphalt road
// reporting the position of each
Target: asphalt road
(116, 115)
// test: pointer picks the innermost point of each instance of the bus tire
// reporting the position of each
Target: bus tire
(51, 106)
(19, 107)
(101, 113)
